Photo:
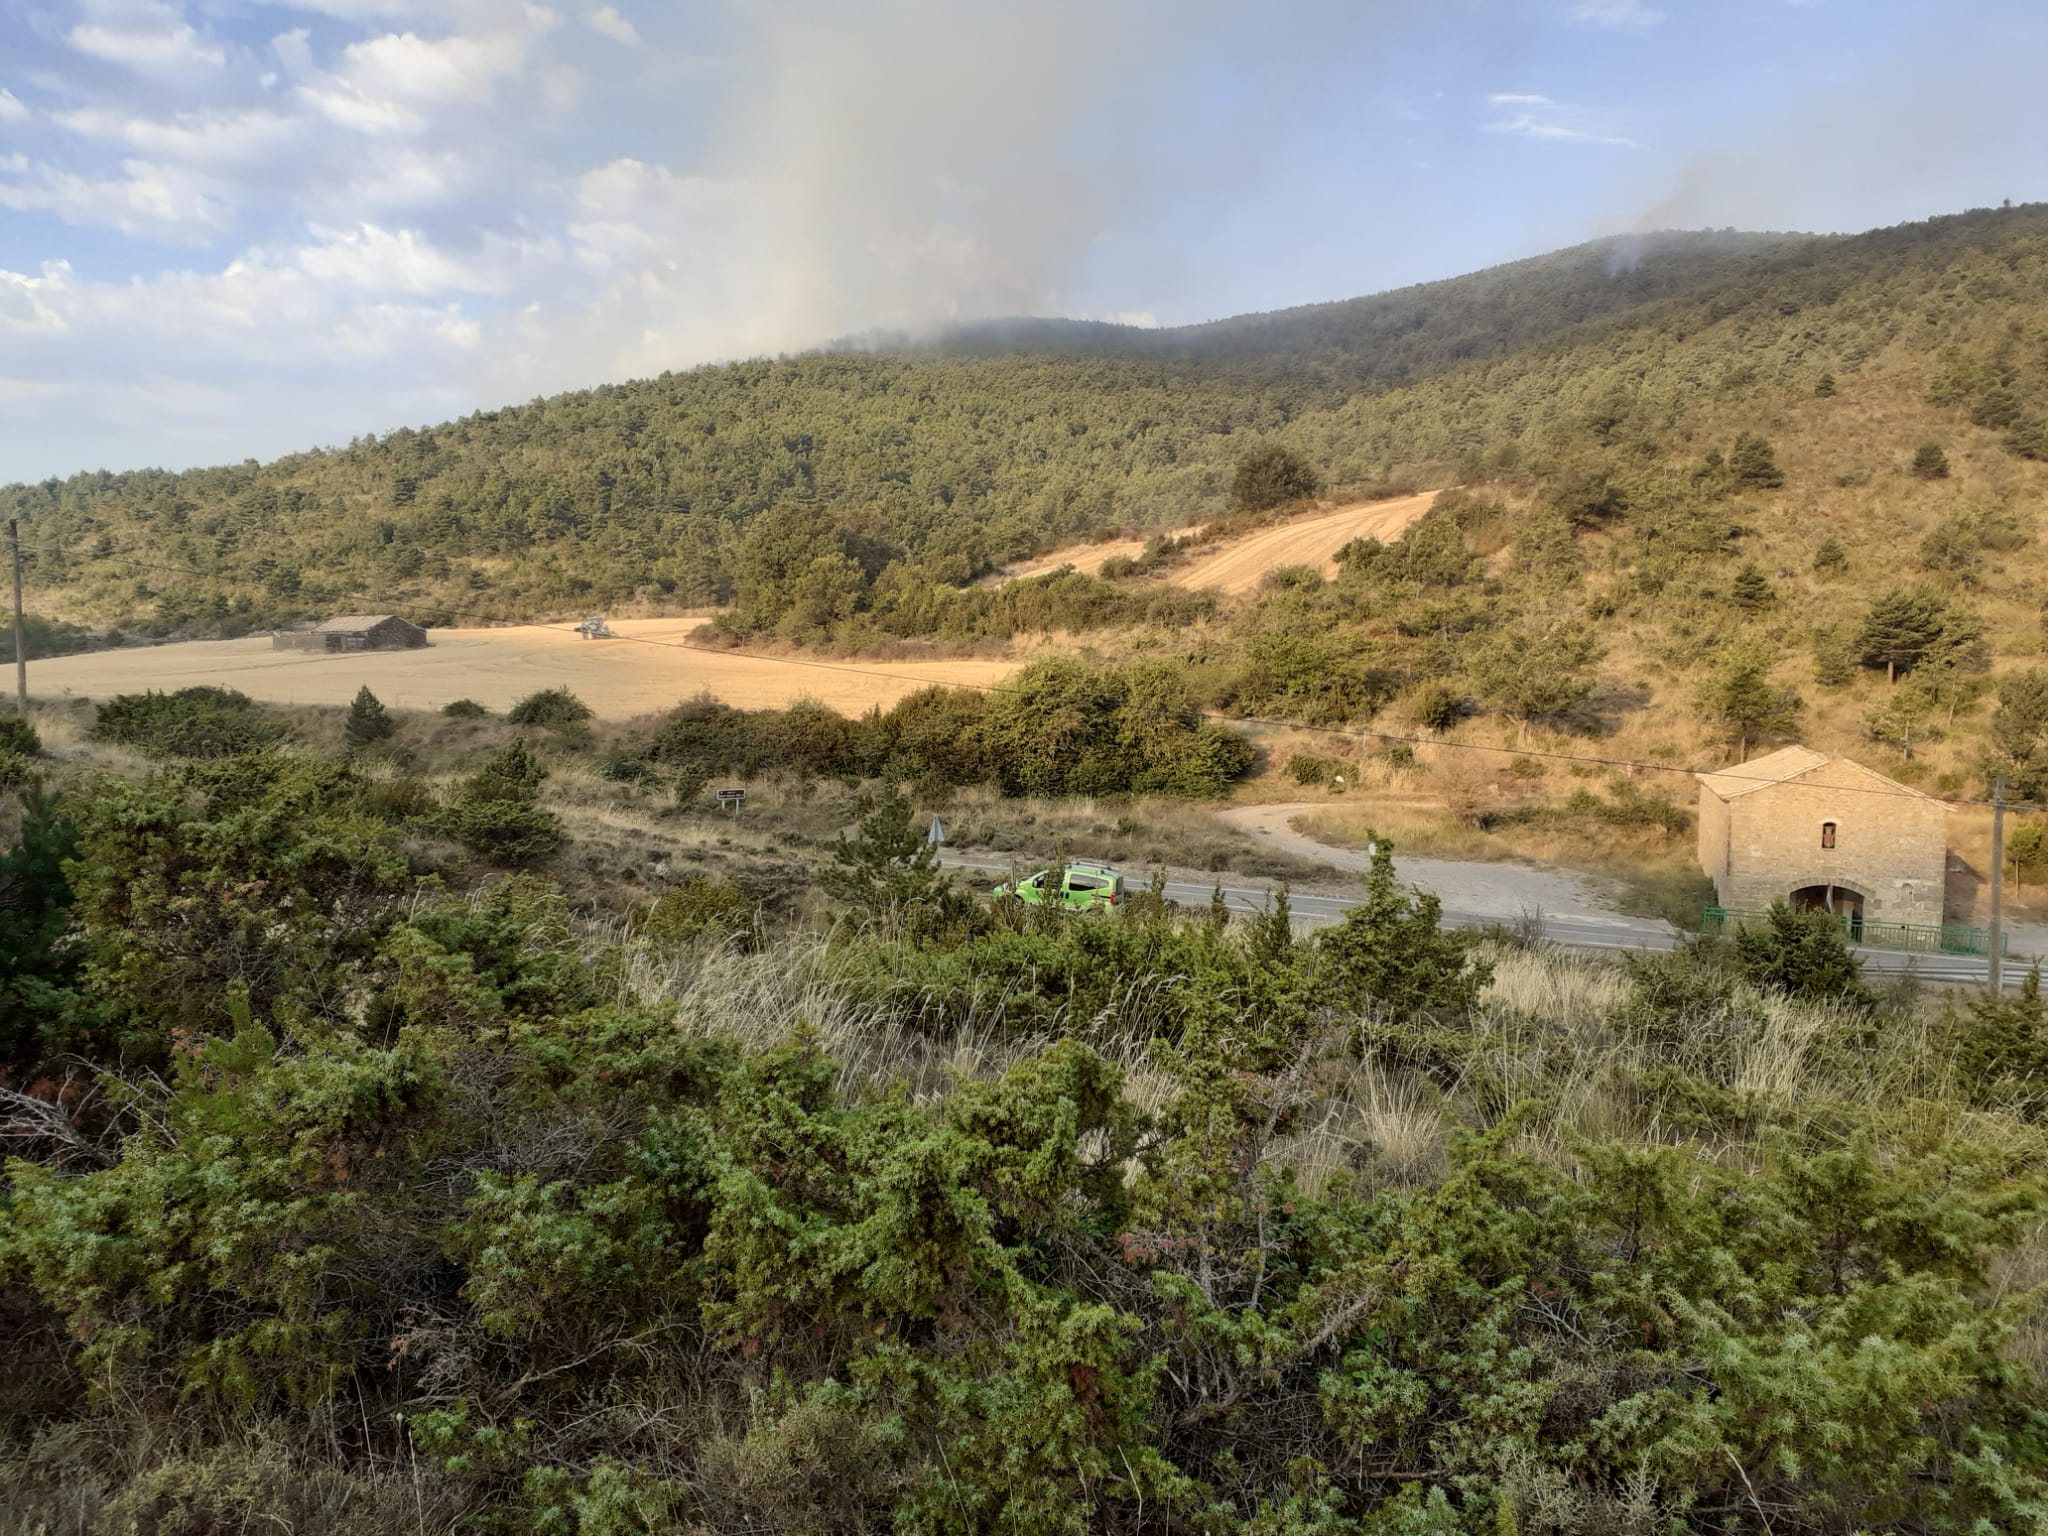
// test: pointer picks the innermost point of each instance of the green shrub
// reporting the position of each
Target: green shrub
(2000, 1046)
(1437, 706)
(1306, 769)
(1801, 953)
(1064, 727)
(195, 723)
(699, 905)
(18, 736)
(1270, 477)
(625, 767)
(495, 812)
(464, 709)
(556, 708)
(1930, 462)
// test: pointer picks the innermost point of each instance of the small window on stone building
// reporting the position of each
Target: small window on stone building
(1827, 834)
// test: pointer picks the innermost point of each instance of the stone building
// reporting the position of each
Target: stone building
(1818, 831)
(354, 632)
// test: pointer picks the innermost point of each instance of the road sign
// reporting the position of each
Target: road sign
(937, 836)
(731, 798)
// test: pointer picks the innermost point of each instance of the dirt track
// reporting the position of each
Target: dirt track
(1239, 564)
(496, 667)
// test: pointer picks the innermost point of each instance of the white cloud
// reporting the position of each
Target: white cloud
(1530, 116)
(150, 202)
(607, 22)
(148, 37)
(413, 68)
(395, 83)
(221, 138)
(12, 108)
(404, 261)
(1616, 13)
(23, 299)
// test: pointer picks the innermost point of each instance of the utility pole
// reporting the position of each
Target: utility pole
(20, 628)
(1997, 884)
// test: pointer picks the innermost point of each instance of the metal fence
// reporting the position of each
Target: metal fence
(1918, 938)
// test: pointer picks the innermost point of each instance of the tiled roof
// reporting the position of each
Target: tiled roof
(1783, 765)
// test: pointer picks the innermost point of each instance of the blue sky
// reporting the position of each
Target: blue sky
(232, 228)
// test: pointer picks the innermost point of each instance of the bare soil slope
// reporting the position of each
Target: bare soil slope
(617, 678)
(1238, 565)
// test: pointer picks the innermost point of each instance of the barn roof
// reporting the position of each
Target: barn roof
(349, 624)
(1784, 765)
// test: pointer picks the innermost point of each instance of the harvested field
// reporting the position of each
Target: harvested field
(617, 678)
(1238, 565)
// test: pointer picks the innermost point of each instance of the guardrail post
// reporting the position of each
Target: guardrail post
(1997, 884)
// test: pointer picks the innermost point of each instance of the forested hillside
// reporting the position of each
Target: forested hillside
(928, 465)
(1695, 469)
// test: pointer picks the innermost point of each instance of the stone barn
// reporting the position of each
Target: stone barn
(1817, 831)
(354, 632)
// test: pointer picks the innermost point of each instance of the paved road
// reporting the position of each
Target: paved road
(1573, 930)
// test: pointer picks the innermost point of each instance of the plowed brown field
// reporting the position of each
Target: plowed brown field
(497, 667)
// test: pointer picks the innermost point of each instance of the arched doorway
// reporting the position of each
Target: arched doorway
(1845, 903)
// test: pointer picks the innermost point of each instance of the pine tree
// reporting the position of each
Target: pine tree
(1751, 590)
(1902, 720)
(1753, 462)
(1834, 663)
(1899, 628)
(1272, 931)
(367, 721)
(1390, 953)
(1930, 462)
(889, 864)
(1742, 698)
(1830, 559)
(2018, 747)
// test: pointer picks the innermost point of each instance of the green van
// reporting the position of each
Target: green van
(1084, 887)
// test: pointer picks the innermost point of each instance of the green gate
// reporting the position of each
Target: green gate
(1918, 938)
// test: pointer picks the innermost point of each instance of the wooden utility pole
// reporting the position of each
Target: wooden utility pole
(1997, 884)
(20, 628)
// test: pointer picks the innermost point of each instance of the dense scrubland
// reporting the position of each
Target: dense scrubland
(453, 1124)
